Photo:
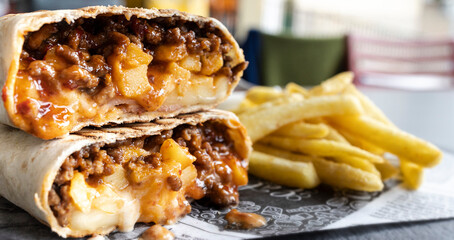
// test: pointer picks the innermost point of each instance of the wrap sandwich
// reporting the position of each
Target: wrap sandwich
(66, 69)
(100, 179)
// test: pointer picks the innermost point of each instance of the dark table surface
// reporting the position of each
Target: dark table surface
(438, 229)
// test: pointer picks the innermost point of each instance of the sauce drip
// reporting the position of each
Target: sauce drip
(157, 232)
(244, 220)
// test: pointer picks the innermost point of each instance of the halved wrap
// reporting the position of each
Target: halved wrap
(96, 180)
(63, 70)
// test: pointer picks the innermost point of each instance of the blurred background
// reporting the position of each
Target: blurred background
(405, 44)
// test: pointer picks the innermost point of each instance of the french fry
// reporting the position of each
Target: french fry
(263, 121)
(370, 108)
(335, 136)
(334, 127)
(283, 171)
(359, 163)
(334, 85)
(316, 120)
(261, 94)
(282, 153)
(387, 170)
(320, 147)
(332, 173)
(245, 105)
(391, 139)
(303, 130)
(282, 100)
(361, 143)
(350, 160)
(412, 174)
(295, 88)
(346, 176)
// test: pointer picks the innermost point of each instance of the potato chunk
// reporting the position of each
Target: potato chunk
(191, 63)
(108, 201)
(164, 78)
(239, 172)
(211, 63)
(81, 193)
(129, 72)
(118, 179)
(136, 57)
(171, 151)
(171, 53)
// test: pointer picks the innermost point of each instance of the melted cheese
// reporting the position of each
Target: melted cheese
(48, 109)
(140, 194)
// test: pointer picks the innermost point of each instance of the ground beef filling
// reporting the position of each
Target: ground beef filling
(209, 143)
(87, 43)
(130, 65)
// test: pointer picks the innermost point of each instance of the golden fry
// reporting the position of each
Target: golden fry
(333, 133)
(359, 163)
(282, 100)
(350, 160)
(370, 108)
(248, 105)
(332, 173)
(282, 153)
(335, 136)
(361, 143)
(334, 85)
(320, 147)
(412, 174)
(245, 105)
(295, 88)
(283, 171)
(261, 94)
(346, 176)
(387, 170)
(303, 130)
(264, 120)
(391, 139)
(316, 120)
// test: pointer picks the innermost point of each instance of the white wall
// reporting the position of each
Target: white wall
(266, 15)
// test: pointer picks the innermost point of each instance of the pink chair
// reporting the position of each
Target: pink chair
(406, 64)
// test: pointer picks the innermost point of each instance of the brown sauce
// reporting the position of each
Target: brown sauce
(244, 220)
(157, 232)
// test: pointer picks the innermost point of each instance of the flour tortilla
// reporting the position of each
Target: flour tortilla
(28, 165)
(14, 27)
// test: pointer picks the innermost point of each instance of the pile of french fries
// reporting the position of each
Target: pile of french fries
(329, 134)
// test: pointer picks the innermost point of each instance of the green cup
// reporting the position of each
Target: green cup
(306, 61)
